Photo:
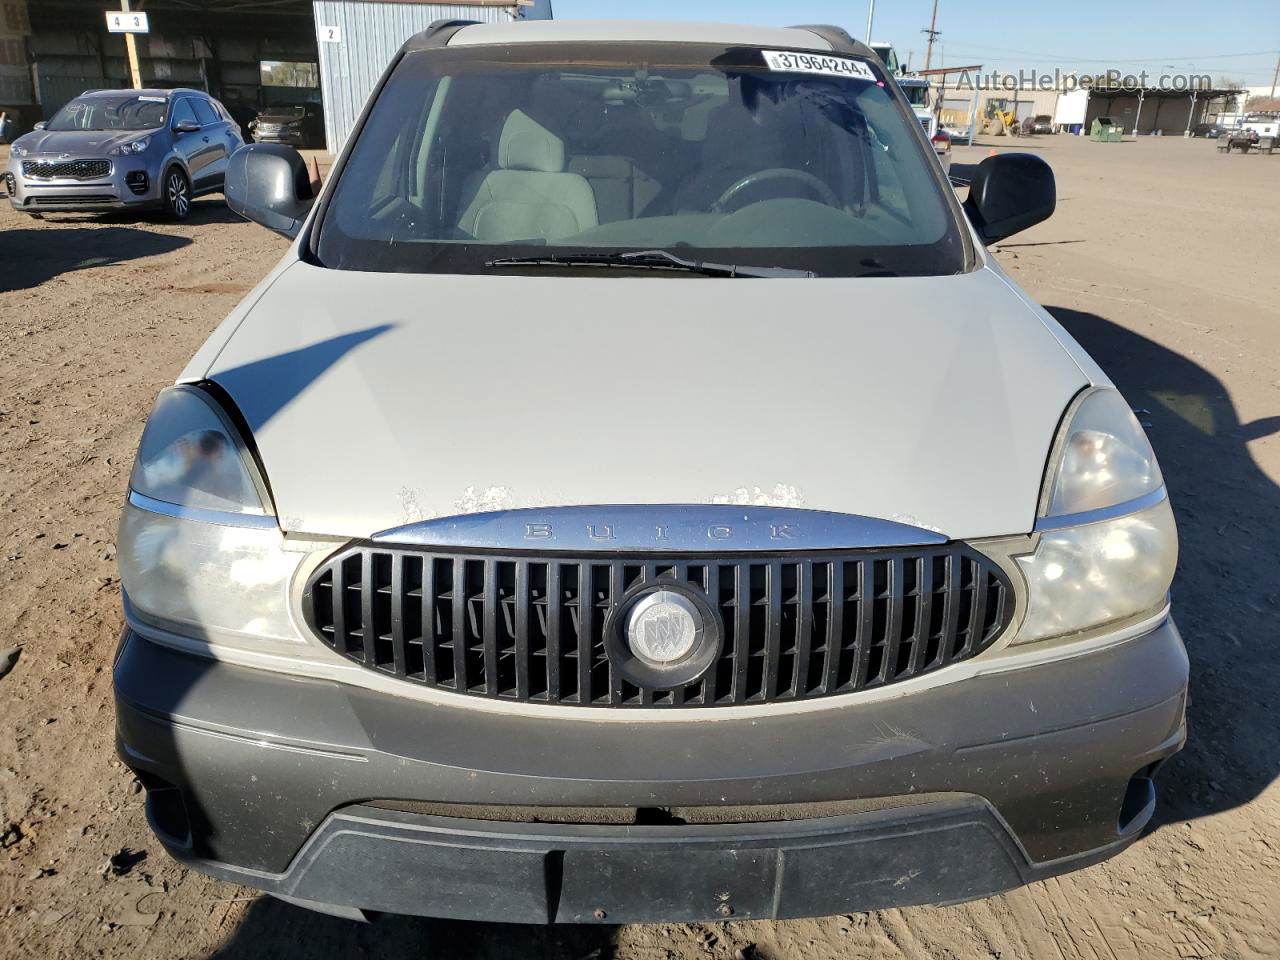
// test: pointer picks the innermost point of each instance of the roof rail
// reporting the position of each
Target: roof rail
(838, 37)
(437, 34)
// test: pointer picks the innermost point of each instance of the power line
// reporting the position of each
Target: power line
(1056, 56)
(1159, 64)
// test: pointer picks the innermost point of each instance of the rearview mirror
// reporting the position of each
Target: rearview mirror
(1008, 193)
(268, 184)
(186, 126)
(40, 125)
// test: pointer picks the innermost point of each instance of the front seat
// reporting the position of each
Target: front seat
(743, 140)
(529, 196)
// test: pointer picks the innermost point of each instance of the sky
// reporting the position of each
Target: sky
(1236, 41)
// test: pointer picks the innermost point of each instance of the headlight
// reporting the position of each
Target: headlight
(133, 146)
(199, 550)
(18, 151)
(1107, 544)
(190, 456)
(1104, 458)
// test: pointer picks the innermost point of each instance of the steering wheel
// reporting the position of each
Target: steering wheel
(827, 195)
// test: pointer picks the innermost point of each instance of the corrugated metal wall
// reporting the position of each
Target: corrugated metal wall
(370, 35)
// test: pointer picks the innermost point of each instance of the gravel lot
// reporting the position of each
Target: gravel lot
(1162, 261)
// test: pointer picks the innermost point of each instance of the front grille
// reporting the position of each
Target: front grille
(66, 169)
(535, 628)
(76, 199)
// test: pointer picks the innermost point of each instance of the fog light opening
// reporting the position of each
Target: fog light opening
(1139, 803)
(166, 810)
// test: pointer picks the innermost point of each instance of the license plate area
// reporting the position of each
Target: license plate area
(650, 884)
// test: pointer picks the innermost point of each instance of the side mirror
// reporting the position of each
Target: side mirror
(186, 126)
(268, 183)
(1008, 193)
(40, 125)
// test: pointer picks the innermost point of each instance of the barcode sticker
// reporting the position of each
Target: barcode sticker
(783, 61)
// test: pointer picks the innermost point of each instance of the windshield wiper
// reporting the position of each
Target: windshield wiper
(648, 260)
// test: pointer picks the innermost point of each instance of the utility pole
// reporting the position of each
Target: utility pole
(1275, 78)
(871, 13)
(932, 33)
(131, 47)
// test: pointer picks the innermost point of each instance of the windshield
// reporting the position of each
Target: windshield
(111, 113)
(474, 156)
(917, 94)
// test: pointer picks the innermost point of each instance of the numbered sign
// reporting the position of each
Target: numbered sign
(329, 34)
(127, 23)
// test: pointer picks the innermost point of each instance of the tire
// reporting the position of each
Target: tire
(176, 191)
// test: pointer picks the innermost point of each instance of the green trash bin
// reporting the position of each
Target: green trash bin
(1106, 130)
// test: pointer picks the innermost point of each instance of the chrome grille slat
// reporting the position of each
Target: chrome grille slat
(532, 628)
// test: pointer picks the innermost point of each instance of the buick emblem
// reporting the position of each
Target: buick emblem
(662, 628)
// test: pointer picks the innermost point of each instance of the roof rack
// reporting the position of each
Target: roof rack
(437, 34)
(838, 37)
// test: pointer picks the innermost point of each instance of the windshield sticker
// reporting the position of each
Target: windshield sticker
(152, 99)
(784, 62)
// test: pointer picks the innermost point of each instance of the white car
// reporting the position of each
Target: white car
(504, 556)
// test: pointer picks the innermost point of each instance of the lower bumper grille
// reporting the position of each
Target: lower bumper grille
(540, 629)
(66, 169)
(79, 199)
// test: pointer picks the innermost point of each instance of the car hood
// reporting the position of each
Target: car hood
(285, 116)
(379, 400)
(79, 143)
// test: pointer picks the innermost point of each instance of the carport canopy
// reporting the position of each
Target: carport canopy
(1141, 109)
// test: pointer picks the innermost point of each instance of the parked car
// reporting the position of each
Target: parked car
(124, 149)
(479, 567)
(1212, 130)
(1259, 132)
(299, 126)
(243, 113)
(1042, 123)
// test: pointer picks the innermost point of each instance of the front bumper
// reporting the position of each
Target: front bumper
(292, 138)
(285, 784)
(116, 191)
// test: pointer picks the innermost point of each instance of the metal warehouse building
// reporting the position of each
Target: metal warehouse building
(357, 38)
(251, 54)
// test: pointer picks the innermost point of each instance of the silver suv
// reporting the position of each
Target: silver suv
(595, 517)
(134, 149)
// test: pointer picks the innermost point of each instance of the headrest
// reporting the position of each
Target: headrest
(526, 144)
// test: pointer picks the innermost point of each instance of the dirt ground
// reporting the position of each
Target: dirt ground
(1163, 259)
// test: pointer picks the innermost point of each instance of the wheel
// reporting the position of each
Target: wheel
(177, 194)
